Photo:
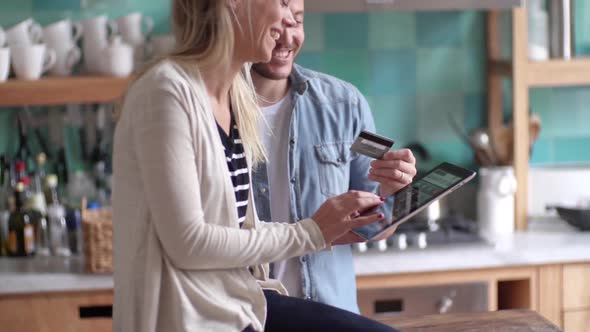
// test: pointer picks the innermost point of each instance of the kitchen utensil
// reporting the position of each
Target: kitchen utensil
(135, 27)
(577, 217)
(560, 12)
(31, 61)
(62, 32)
(67, 56)
(481, 155)
(505, 139)
(27, 32)
(28, 117)
(96, 32)
(4, 63)
(118, 58)
(56, 137)
(495, 201)
(480, 140)
(23, 152)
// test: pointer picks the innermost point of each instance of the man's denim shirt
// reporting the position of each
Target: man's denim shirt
(327, 117)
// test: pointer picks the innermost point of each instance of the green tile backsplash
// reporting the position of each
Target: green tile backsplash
(414, 68)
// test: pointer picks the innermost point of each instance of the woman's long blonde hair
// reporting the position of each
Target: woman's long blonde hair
(204, 38)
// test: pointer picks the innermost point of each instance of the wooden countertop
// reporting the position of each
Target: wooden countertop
(506, 320)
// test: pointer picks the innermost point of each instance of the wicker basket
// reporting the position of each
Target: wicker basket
(97, 228)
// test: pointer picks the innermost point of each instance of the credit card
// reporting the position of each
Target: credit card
(371, 145)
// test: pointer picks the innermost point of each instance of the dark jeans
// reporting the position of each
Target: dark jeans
(285, 313)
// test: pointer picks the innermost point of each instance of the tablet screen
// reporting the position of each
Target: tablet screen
(409, 200)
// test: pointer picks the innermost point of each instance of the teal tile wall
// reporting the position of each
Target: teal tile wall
(414, 68)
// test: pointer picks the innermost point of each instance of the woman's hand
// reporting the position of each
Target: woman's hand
(340, 214)
(395, 171)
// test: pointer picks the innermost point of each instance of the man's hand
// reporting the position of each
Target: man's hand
(395, 171)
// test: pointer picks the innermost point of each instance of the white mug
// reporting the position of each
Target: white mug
(2, 37)
(162, 45)
(4, 63)
(27, 32)
(62, 32)
(131, 27)
(31, 61)
(96, 32)
(66, 59)
(117, 59)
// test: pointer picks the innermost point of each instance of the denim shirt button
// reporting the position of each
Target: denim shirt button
(263, 190)
(292, 141)
(302, 259)
(307, 297)
(292, 180)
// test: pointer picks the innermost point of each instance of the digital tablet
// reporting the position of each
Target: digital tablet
(408, 201)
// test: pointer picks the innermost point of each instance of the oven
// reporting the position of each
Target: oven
(424, 300)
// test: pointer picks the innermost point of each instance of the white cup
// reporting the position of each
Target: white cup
(162, 45)
(31, 61)
(96, 32)
(135, 27)
(2, 37)
(66, 58)
(117, 58)
(4, 63)
(27, 32)
(62, 32)
(495, 201)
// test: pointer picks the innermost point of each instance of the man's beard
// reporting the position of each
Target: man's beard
(264, 70)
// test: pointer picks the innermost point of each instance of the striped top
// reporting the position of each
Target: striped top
(238, 167)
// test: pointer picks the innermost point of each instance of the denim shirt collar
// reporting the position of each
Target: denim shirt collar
(299, 79)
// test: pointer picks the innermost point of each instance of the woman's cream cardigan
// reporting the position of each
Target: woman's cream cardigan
(180, 259)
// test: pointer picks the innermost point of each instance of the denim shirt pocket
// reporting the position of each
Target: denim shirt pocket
(334, 171)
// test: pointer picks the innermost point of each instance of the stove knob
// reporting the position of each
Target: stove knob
(360, 247)
(381, 245)
(402, 242)
(420, 240)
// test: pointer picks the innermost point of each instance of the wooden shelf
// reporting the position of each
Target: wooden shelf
(334, 6)
(60, 91)
(556, 73)
(552, 73)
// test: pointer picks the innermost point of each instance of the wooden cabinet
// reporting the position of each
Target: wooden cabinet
(50, 312)
(576, 288)
(559, 292)
(576, 321)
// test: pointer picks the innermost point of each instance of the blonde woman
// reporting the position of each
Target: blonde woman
(189, 252)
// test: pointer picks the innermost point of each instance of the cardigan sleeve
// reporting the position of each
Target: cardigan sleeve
(167, 163)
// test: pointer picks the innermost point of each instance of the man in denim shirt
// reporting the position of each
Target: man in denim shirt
(311, 120)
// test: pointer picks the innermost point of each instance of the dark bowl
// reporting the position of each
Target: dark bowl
(579, 218)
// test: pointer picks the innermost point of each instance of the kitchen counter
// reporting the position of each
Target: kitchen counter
(547, 242)
(48, 274)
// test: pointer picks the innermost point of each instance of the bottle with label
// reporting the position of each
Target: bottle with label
(5, 192)
(56, 217)
(21, 234)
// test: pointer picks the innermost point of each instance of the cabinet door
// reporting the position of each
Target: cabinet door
(576, 321)
(576, 288)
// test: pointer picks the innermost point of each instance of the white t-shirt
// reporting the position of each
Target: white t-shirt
(275, 138)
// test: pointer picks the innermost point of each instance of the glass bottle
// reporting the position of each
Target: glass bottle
(58, 233)
(37, 208)
(21, 234)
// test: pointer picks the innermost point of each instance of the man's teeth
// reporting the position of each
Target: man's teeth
(281, 54)
(275, 35)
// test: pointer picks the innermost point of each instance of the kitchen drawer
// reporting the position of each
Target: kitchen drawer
(576, 288)
(576, 321)
(50, 312)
